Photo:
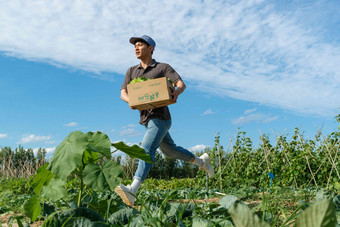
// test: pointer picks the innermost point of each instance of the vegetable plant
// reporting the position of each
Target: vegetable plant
(85, 158)
(138, 79)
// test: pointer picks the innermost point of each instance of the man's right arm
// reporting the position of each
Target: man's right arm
(124, 95)
(123, 90)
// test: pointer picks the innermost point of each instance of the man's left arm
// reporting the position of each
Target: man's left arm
(180, 88)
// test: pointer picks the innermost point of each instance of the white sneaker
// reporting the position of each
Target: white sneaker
(207, 167)
(126, 194)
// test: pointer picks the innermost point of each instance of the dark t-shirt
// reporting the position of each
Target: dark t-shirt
(153, 71)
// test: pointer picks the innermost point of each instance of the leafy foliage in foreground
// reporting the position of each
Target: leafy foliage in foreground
(81, 193)
(228, 212)
(75, 192)
(83, 161)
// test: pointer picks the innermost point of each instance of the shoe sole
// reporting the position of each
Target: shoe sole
(122, 194)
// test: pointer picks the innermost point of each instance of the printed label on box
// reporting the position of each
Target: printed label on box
(148, 97)
(136, 88)
(156, 84)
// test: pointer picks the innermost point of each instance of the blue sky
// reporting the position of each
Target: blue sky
(263, 67)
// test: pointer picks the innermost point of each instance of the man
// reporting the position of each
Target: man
(156, 121)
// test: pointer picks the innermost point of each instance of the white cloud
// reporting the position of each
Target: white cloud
(3, 136)
(130, 126)
(249, 111)
(49, 150)
(252, 50)
(247, 119)
(71, 124)
(130, 132)
(50, 142)
(35, 151)
(199, 147)
(255, 117)
(33, 139)
(208, 112)
(270, 119)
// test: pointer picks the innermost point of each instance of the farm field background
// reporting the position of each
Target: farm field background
(291, 182)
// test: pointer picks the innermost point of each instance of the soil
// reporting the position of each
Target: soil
(5, 217)
(250, 204)
(210, 200)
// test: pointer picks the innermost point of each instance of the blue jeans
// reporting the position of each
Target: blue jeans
(157, 135)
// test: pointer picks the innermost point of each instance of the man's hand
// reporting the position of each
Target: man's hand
(176, 92)
(174, 95)
(124, 95)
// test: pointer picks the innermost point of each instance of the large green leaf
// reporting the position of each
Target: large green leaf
(243, 217)
(68, 155)
(54, 190)
(228, 200)
(133, 151)
(106, 176)
(90, 156)
(123, 216)
(337, 215)
(32, 208)
(320, 214)
(42, 178)
(99, 142)
(201, 222)
(80, 212)
(84, 222)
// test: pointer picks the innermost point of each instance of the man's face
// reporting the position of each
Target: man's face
(142, 50)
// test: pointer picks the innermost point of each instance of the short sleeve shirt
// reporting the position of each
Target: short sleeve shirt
(153, 71)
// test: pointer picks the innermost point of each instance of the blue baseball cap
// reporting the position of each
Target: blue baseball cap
(145, 38)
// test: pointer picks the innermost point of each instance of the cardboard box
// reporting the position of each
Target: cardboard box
(150, 94)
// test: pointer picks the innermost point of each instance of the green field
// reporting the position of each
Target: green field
(291, 182)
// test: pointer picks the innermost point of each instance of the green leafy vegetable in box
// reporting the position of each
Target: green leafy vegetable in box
(138, 79)
(170, 80)
(142, 78)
